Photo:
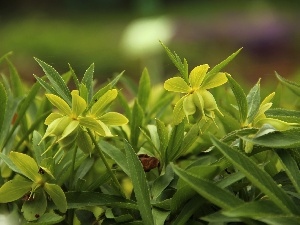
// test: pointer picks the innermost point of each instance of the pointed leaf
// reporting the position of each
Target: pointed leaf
(46, 86)
(113, 118)
(14, 189)
(257, 176)
(144, 89)
(74, 76)
(209, 190)
(3, 104)
(290, 166)
(57, 195)
(197, 75)
(177, 84)
(221, 65)
(294, 87)
(56, 81)
(178, 112)
(47, 219)
(253, 102)
(240, 98)
(94, 125)
(52, 117)
(175, 142)
(286, 115)
(16, 83)
(136, 121)
(163, 134)
(37, 146)
(141, 188)
(103, 102)
(60, 104)
(87, 80)
(26, 165)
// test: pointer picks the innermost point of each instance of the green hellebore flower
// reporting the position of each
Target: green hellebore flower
(197, 96)
(65, 124)
(32, 187)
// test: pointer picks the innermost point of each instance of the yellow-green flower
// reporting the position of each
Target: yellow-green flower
(197, 98)
(66, 123)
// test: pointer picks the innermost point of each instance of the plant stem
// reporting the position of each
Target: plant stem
(114, 178)
(72, 169)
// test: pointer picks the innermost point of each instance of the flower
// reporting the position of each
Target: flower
(197, 99)
(69, 121)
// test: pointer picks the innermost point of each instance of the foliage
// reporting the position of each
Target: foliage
(196, 156)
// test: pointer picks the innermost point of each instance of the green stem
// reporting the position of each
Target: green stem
(114, 178)
(72, 169)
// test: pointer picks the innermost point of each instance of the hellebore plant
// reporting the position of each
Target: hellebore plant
(68, 157)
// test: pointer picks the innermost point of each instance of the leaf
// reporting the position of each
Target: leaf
(163, 134)
(95, 125)
(57, 195)
(253, 102)
(291, 116)
(294, 87)
(114, 119)
(9, 163)
(189, 139)
(14, 189)
(83, 169)
(208, 190)
(175, 142)
(140, 185)
(290, 167)
(160, 216)
(103, 102)
(75, 78)
(56, 80)
(136, 121)
(197, 75)
(46, 86)
(26, 165)
(162, 182)
(3, 104)
(177, 84)
(84, 199)
(215, 81)
(220, 66)
(257, 176)
(33, 209)
(181, 66)
(278, 139)
(87, 80)
(37, 146)
(144, 89)
(240, 98)
(16, 83)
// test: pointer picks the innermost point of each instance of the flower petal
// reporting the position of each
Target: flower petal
(113, 118)
(95, 125)
(189, 106)
(197, 75)
(178, 113)
(69, 129)
(214, 81)
(60, 104)
(268, 98)
(177, 84)
(78, 103)
(103, 102)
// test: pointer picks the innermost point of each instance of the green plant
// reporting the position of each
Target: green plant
(198, 157)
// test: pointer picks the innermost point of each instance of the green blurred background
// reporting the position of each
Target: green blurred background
(122, 35)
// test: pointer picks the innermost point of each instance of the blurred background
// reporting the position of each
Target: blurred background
(120, 35)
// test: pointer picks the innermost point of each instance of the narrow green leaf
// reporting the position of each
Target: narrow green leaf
(279, 139)
(74, 76)
(175, 142)
(160, 216)
(5, 56)
(220, 66)
(83, 199)
(290, 166)
(162, 182)
(240, 98)
(87, 80)
(291, 116)
(209, 190)
(140, 185)
(14, 189)
(163, 134)
(10, 163)
(189, 139)
(257, 176)
(178, 112)
(36, 207)
(56, 80)
(26, 165)
(16, 83)
(103, 90)
(3, 104)
(144, 89)
(37, 146)
(45, 85)
(294, 87)
(136, 122)
(253, 102)
(181, 66)
(57, 195)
